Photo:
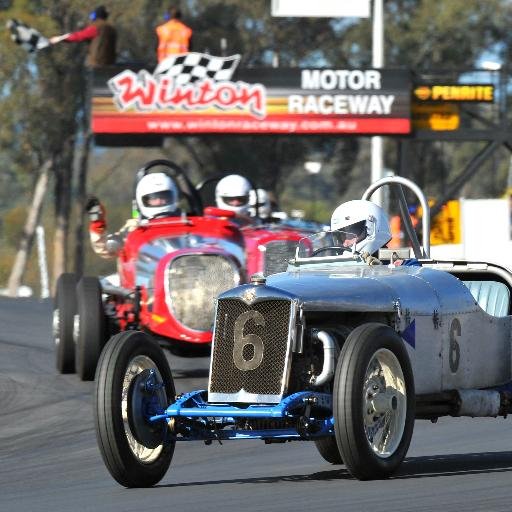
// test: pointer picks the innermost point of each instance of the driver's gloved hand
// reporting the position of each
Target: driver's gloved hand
(369, 259)
(94, 209)
(113, 245)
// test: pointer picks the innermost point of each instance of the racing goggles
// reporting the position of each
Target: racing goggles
(236, 200)
(161, 198)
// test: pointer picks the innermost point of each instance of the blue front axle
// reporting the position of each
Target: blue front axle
(202, 420)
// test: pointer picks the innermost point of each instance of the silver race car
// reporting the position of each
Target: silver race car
(344, 349)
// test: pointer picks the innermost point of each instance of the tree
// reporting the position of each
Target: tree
(41, 105)
(42, 115)
(27, 239)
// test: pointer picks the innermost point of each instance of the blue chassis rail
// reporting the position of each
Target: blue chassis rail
(213, 418)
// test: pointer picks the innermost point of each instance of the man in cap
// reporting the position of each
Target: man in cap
(101, 35)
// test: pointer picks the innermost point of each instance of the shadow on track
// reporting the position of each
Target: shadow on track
(456, 464)
(414, 467)
(337, 474)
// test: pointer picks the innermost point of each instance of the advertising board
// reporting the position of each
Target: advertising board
(199, 93)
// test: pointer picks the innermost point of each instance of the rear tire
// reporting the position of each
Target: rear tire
(374, 401)
(63, 320)
(92, 330)
(137, 453)
(328, 449)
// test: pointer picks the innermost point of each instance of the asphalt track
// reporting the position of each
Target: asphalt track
(49, 460)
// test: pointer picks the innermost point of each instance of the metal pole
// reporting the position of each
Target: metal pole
(313, 194)
(43, 266)
(377, 142)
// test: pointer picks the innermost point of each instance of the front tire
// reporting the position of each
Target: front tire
(63, 320)
(137, 453)
(374, 401)
(92, 327)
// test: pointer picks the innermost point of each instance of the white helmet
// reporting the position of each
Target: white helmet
(368, 223)
(232, 193)
(264, 208)
(156, 194)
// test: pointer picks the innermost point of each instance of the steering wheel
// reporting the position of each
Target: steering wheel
(336, 248)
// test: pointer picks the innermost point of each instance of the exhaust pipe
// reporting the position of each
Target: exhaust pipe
(478, 403)
(330, 348)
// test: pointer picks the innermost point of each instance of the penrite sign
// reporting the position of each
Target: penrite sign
(473, 93)
(199, 93)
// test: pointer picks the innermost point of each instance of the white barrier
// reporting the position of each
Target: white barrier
(43, 266)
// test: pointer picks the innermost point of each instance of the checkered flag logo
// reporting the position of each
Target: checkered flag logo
(27, 37)
(190, 67)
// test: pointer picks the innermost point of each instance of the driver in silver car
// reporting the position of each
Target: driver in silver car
(364, 227)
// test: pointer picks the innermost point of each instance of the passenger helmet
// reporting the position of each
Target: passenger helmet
(264, 208)
(156, 194)
(232, 193)
(367, 221)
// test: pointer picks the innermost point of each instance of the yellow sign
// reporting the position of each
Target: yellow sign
(439, 117)
(445, 228)
(455, 92)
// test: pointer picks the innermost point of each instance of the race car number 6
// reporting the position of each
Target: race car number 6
(455, 329)
(241, 341)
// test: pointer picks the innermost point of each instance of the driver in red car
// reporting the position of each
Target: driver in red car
(156, 195)
(233, 193)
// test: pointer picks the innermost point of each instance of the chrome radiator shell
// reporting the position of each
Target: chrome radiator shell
(192, 282)
(247, 327)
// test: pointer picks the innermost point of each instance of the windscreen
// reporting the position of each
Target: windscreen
(327, 243)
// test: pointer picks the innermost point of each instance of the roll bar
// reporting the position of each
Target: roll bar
(398, 181)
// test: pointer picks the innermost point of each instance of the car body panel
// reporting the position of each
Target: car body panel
(156, 246)
(436, 301)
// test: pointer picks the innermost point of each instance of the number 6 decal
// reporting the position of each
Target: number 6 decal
(455, 329)
(242, 340)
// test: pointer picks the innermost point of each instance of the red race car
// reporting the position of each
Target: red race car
(170, 270)
(268, 247)
(269, 242)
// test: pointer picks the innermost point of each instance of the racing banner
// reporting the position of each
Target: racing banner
(199, 93)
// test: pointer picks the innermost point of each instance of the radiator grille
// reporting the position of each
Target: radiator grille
(277, 254)
(267, 378)
(193, 283)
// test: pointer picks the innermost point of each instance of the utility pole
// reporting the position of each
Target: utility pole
(377, 142)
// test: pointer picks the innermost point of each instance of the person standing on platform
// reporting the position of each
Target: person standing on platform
(174, 37)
